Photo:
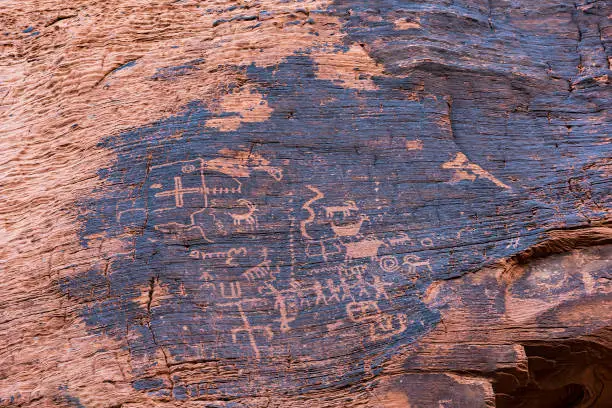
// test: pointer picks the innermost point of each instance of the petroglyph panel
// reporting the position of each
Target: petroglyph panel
(301, 203)
(272, 243)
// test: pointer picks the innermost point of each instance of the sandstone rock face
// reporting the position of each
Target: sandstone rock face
(305, 203)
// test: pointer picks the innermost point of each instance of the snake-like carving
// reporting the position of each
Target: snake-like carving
(318, 195)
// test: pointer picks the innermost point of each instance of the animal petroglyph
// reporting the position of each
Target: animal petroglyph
(241, 164)
(263, 270)
(183, 232)
(318, 195)
(464, 170)
(229, 255)
(248, 217)
(345, 209)
(401, 239)
(367, 248)
(415, 264)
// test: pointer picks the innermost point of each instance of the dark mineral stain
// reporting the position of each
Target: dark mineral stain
(68, 399)
(124, 66)
(170, 73)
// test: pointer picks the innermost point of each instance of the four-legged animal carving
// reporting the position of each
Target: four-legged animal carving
(344, 209)
(248, 217)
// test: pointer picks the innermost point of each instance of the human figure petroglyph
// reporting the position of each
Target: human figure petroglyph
(300, 292)
(250, 330)
(464, 170)
(334, 290)
(281, 303)
(248, 217)
(349, 230)
(320, 296)
(311, 217)
(345, 209)
(379, 286)
(346, 290)
(514, 242)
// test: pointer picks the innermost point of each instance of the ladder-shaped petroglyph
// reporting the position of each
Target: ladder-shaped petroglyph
(232, 291)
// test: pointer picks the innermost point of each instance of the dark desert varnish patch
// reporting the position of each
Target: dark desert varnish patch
(269, 253)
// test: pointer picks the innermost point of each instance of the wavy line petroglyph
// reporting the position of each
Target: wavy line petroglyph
(318, 196)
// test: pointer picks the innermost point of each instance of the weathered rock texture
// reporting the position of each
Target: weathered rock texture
(305, 203)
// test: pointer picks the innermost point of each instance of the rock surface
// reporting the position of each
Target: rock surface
(305, 203)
